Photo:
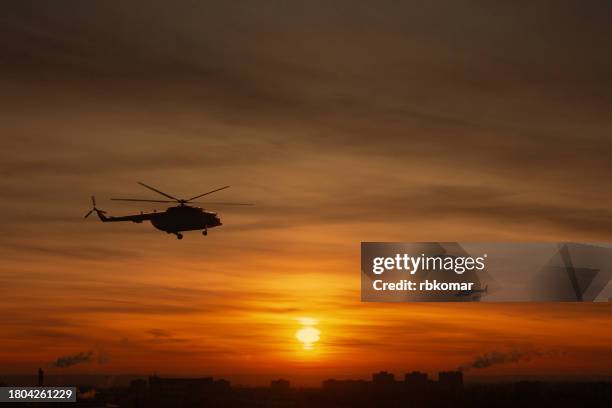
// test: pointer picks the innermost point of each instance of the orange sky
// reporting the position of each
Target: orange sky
(343, 124)
(220, 305)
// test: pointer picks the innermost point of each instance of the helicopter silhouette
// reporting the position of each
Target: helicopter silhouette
(174, 220)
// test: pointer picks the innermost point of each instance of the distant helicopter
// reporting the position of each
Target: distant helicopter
(174, 220)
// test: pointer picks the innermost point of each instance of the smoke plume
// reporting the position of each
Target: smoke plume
(504, 357)
(70, 360)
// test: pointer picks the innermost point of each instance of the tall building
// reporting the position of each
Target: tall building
(383, 379)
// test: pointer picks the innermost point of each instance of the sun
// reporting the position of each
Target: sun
(308, 335)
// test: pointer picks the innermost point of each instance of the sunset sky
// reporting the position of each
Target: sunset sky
(343, 122)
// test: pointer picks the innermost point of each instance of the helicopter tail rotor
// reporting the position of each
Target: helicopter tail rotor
(94, 208)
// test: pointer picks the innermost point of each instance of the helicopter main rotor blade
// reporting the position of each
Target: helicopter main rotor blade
(217, 203)
(142, 200)
(208, 192)
(89, 213)
(157, 191)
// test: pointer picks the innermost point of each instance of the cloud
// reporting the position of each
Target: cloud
(157, 333)
(84, 252)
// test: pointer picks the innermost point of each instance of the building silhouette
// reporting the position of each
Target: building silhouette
(383, 380)
(416, 390)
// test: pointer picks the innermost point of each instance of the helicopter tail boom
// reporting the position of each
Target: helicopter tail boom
(137, 218)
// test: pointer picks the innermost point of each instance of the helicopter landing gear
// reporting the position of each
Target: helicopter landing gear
(179, 236)
(205, 232)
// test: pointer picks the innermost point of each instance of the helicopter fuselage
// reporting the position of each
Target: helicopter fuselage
(173, 220)
(184, 218)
